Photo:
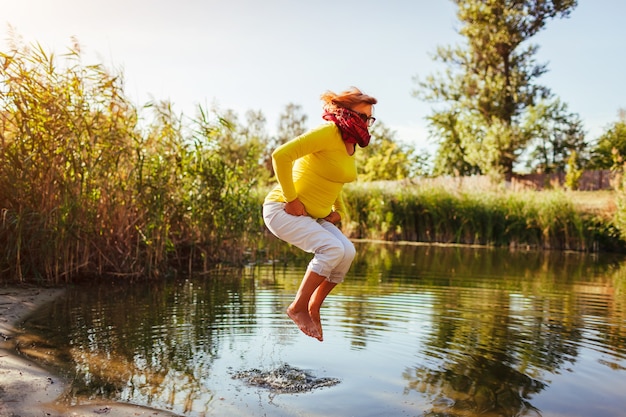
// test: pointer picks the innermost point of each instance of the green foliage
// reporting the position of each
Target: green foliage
(572, 177)
(87, 187)
(65, 150)
(610, 145)
(609, 153)
(406, 211)
(451, 155)
(620, 199)
(385, 158)
(291, 124)
(489, 84)
(557, 136)
(91, 186)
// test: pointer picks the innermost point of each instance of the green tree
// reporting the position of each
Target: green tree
(491, 80)
(241, 145)
(557, 135)
(611, 145)
(388, 159)
(291, 123)
(257, 140)
(574, 172)
(450, 158)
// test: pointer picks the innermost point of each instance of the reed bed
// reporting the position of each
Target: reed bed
(408, 211)
(89, 188)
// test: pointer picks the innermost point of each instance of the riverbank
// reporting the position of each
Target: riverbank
(27, 389)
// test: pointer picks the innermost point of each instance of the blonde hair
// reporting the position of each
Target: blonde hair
(347, 99)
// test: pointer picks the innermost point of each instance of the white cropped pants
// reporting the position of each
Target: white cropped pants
(333, 251)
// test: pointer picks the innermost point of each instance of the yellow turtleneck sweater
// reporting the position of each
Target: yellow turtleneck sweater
(313, 168)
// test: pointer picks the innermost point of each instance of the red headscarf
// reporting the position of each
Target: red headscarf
(352, 127)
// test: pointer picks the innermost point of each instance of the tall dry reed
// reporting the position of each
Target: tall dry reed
(90, 188)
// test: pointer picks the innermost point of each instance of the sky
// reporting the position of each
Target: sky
(264, 54)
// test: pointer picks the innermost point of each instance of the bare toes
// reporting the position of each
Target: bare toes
(304, 322)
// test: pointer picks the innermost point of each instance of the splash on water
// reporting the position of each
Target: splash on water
(284, 379)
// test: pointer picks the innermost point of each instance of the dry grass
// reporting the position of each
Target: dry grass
(600, 203)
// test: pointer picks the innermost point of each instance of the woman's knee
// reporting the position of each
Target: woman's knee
(343, 253)
(335, 252)
(349, 251)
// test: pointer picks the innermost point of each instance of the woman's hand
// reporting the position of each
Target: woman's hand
(295, 208)
(333, 217)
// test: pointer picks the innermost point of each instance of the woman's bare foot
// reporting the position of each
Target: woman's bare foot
(317, 321)
(304, 322)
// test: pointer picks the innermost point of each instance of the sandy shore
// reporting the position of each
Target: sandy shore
(28, 390)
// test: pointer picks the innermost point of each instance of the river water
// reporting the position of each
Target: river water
(413, 331)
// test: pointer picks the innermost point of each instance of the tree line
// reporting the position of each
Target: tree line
(490, 112)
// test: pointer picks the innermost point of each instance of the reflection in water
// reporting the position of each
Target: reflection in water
(476, 384)
(414, 330)
(151, 344)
